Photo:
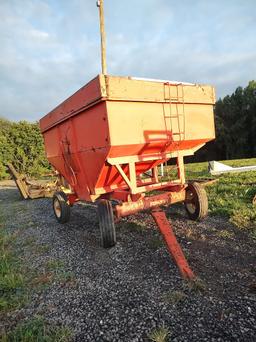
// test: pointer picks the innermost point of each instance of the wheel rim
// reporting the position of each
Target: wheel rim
(191, 202)
(57, 208)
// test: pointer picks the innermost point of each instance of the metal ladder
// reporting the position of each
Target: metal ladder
(174, 101)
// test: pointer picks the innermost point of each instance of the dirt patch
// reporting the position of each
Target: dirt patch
(8, 183)
(122, 294)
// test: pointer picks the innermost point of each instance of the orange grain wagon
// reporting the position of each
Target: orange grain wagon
(108, 139)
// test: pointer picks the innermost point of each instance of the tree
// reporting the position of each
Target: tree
(5, 148)
(21, 143)
(235, 122)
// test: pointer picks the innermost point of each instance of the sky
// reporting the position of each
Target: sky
(51, 48)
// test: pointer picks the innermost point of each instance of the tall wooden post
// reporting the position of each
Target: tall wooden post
(100, 4)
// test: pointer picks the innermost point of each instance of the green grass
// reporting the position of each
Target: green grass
(42, 249)
(12, 280)
(54, 265)
(196, 285)
(66, 277)
(30, 241)
(174, 297)
(18, 281)
(56, 269)
(37, 330)
(225, 234)
(155, 242)
(138, 227)
(159, 335)
(232, 195)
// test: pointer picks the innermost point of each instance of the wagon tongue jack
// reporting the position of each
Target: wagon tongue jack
(108, 139)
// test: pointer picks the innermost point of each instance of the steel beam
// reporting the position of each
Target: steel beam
(172, 243)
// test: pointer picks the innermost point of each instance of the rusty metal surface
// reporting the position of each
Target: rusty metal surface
(172, 243)
(150, 202)
(31, 189)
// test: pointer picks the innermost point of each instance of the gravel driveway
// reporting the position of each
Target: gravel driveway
(124, 293)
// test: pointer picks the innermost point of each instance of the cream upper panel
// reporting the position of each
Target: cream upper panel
(125, 88)
(142, 122)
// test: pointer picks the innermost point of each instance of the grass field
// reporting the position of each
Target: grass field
(232, 194)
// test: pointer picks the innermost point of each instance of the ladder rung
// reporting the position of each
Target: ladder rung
(176, 99)
(173, 116)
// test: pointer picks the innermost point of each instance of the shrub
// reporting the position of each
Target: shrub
(21, 143)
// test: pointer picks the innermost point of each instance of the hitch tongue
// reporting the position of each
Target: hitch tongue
(172, 243)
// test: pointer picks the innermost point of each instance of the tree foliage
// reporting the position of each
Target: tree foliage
(235, 122)
(21, 143)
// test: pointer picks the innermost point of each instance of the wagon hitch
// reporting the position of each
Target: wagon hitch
(172, 243)
(153, 204)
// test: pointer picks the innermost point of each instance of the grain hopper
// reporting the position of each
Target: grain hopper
(108, 139)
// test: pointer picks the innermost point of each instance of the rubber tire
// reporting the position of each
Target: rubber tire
(62, 199)
(107, 224)
(201, 202)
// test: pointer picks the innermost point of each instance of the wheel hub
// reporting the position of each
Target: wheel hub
(57, 209)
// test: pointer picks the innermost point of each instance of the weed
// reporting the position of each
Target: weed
(30, 241)
(15, 301)
(197, 285)
(54, 265)
(42, 279)
(192, 234)
(155, 242)
(66, 277)
(57, 272)
(5, 240)
(189, 232)
(134, 226)
(174, 297)
(37, 330)
(159, 335)
(253, 234)
(225, 234)
(243, 217)
(41, 249)
(12, 282)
